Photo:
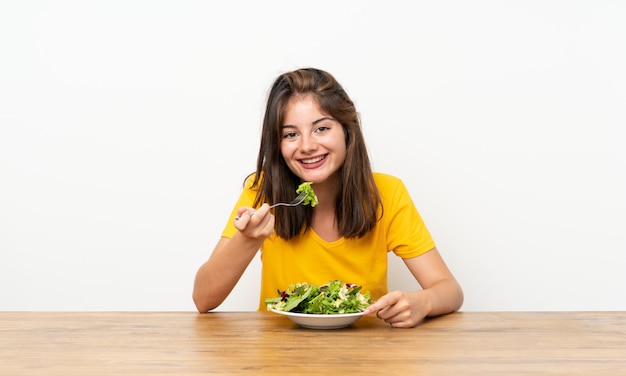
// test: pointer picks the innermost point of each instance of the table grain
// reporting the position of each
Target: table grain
(258, 343)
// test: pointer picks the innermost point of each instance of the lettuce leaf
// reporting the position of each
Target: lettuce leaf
(332, 298)
(311, 198)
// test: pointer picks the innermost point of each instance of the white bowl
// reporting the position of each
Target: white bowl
(319, 321)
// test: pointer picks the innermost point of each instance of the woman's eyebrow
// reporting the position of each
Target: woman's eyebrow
(314, 122)
(322, 119)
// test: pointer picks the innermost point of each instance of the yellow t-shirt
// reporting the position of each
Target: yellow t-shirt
(362, 261)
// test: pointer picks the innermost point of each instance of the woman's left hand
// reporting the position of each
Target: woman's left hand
(440, 293)
(401, 309)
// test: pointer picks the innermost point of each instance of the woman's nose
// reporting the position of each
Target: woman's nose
(308, 143)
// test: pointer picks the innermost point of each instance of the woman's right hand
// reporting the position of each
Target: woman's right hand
(256, 224)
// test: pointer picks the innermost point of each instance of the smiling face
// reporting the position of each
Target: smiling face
(313, 144)
(312, 132)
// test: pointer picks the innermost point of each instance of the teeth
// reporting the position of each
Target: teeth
(312, 160)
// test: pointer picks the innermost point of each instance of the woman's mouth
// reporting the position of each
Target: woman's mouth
(313, 162)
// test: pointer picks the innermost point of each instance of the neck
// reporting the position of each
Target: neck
(324, 221)
(327, 193)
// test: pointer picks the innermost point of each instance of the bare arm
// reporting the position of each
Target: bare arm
(218, 276)
(440, 293)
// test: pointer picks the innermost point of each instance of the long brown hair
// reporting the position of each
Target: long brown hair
(358, 200)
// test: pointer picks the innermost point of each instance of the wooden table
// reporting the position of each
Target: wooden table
(187, 343)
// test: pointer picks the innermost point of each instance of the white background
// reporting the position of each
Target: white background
(127, 128)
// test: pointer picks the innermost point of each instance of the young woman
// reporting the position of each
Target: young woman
(311, 133)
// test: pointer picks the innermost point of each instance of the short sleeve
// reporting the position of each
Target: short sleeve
(406, 232)
(245, 199)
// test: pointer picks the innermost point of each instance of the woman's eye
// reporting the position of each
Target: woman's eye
(289, 135)
(321, 129)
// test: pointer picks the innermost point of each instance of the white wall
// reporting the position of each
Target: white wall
(127, 127)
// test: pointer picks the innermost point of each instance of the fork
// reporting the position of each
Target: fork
(295, 202)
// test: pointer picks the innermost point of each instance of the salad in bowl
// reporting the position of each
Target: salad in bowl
(330, 306)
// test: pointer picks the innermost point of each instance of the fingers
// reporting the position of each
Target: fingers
(395, 308)
(254, 223)
(263, 218)
(241, 221)
(244, 210)
(243, 217)
(384, 302)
